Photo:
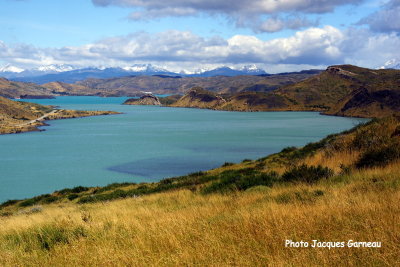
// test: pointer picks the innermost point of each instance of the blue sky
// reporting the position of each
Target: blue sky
(277, 35)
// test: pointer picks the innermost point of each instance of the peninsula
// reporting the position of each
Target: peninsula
(18, 117)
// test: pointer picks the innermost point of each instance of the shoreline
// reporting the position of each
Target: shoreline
(56, 114)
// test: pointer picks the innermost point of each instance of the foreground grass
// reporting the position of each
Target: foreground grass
(186, 228)
(345, 187)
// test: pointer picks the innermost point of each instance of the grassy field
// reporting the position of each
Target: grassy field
(345, 187)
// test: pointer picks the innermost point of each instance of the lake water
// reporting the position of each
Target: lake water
(145, 144)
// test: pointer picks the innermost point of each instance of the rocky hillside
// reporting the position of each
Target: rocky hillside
(347, 90)
(162, 84)
(144, 100)
(340, 90)
(12, 89)
(61, 88)
(197, 97)
(158, 84)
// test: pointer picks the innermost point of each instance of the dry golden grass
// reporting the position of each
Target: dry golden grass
(238, 229)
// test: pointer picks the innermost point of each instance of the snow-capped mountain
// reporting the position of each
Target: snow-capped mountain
(227, 71)
(144, 68)
(11, 69)
(252, 69)
(391, 64)
(54, 68)
(70, 74)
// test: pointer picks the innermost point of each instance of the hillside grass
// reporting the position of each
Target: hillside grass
(243, 229)
(336, 189)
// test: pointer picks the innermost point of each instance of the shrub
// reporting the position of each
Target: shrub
(380, 156)
(289, 149)
(8, 203)
(79, 189)
(242, 179)
(72, 196)
(226, 164)
(307, 174)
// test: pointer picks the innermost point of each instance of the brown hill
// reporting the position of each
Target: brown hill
(144, 100)
(197, 97)
(61, 88)
(343, 90)
(347, 90)
(133, 86)
(12, 89)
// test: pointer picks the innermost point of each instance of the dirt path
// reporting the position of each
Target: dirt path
(42, 118)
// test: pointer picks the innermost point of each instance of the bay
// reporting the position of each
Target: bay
(145, 144)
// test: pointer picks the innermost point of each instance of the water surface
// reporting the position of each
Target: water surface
(145, 144)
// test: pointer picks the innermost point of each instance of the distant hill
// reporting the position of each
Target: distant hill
(131, 86)
(12, 89)
(245, 101)
(342, 90)
(347, 90)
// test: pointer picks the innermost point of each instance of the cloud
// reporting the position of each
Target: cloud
(275, 24)
(315, 45)
(385, 20)
(240, 11)
(233, 6)
(182, 49)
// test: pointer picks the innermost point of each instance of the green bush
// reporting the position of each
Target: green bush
(8, 203)
(242, 179)
(72, 196)
(289, 149)
(378, 157)
(307, 174)
(77, 189)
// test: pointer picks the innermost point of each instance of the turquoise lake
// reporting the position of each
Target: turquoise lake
(145, 144)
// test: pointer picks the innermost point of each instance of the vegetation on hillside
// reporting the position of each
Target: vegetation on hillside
(13, 89)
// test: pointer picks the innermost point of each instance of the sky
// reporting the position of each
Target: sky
(276, 35)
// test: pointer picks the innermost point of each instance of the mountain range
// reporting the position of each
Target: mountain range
(70, 74)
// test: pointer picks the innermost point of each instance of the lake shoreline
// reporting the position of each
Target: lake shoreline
(118, 149)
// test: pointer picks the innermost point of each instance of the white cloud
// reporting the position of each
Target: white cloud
(185, 50)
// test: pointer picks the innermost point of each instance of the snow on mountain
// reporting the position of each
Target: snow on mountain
(10, 68)
(144, 68)
(69, 73)
(391, 64)
(54, 68)
(227, 71)
(252, 69)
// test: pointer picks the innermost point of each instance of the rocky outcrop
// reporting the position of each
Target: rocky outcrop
(197, 97)
(148, 99)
